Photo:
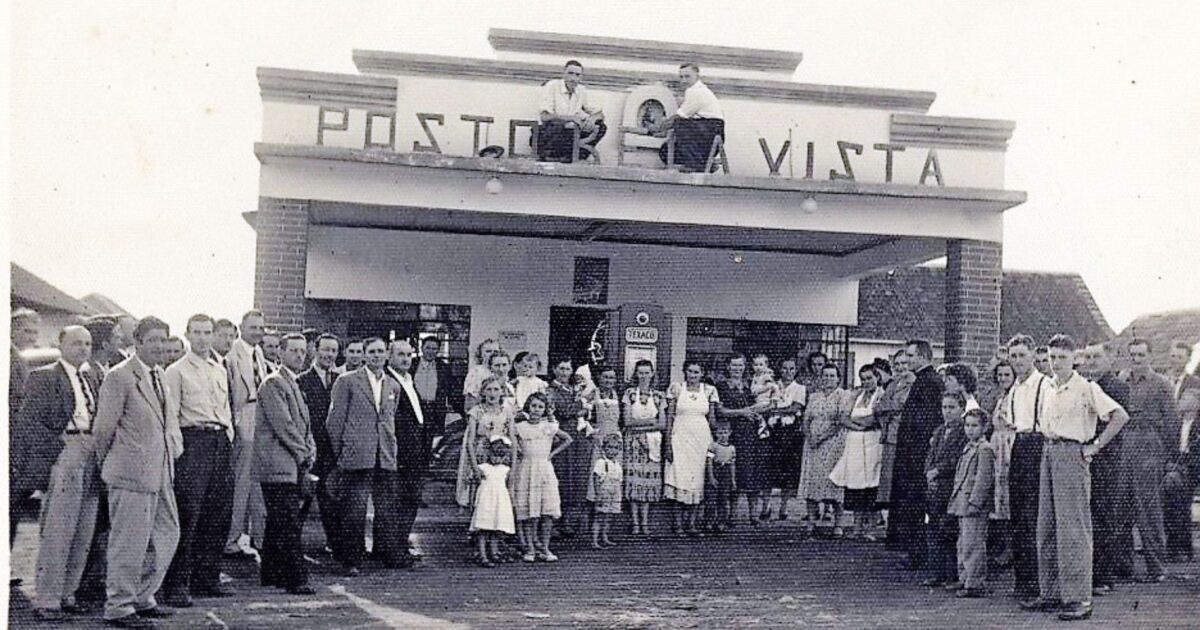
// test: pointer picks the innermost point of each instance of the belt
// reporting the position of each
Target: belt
(1062, 440)
(1029, 434)
(78, 432)
(204, 427)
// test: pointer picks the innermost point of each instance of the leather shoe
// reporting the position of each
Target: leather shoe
(1075, 612)
(350, 571)
(131, 620)
(1156, 578)
(217, 590)
(1100, 590)
(1041, 605)
(932, 582)
(971, 593)
(303, 589)
(156, 613)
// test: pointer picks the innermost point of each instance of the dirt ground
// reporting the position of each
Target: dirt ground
(761, 578)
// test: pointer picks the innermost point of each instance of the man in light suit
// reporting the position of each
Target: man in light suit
(137, 442)
(247, 370)
(362, 436)
(316, 383)
(61, 400)
(412, 451)
(284, 453)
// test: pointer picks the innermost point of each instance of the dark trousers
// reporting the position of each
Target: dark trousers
(354, 487)
(1144, 466)
(328, 507)
(1177, 518)
(204, 496)
(1024, 483)
(408, 502)
(693, 142)
(282, 553)
(556, 141)
(943, 546)
(1109, 561)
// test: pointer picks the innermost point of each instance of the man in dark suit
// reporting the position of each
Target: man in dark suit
(435, 386)
(284, 453)
(1112, 557)
(362, 435)
(61, 400)
(24, 336)
(1179, 493)
(921, 416)
(412, 447)
(316, 383)
(137, 443)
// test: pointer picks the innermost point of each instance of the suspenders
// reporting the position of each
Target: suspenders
(1037, 405)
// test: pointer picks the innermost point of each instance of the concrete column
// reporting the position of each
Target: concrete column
(973, 281)
(281, 257)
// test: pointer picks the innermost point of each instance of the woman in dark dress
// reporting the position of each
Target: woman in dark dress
(737, 405)
(573, 465)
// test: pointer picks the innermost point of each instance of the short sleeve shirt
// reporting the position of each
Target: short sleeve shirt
(557, 100)
(700, 102)
(1075, 407)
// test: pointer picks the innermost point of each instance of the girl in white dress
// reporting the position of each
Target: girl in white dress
(535, 486)
(693, 408)
(493, 517)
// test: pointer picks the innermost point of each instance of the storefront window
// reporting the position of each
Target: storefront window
(713, 341)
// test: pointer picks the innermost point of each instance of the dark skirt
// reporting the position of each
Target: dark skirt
(752, 457)
(785, 453)
(860, 500)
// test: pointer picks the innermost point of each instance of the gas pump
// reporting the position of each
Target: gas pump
(641, 331)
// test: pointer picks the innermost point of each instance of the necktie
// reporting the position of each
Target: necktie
(87, 394)
(158, 391)
(257, 371)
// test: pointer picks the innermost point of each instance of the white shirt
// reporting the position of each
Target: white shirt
(376, 387)
(81, 420)
(556, 100)
(1076, 405)
(326, 376)
(406, 382)
(1018, 408)
(700, 102)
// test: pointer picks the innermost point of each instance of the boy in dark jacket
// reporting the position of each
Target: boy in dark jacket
(945, 447)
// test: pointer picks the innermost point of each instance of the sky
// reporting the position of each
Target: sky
(131, 124)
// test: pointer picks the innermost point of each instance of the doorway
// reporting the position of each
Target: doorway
(571, 333)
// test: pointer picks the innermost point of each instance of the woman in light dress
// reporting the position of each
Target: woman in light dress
(691, 412)
(1003, 436)
(824, 439)
(644, 411)
(478, 372)
(490, 418)
(857, 471)
(605, 420)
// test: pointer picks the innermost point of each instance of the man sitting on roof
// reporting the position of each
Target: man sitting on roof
(565, 108)
(697, 122)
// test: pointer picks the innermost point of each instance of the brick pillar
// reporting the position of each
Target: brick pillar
(280, 259)
(973, 280)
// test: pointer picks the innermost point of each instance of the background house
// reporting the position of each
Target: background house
(907, 303)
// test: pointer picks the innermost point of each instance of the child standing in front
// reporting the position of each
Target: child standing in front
(535, 486)
(971, 502)
(607, 477)
(945, 447)
(721, 490)
(493, 517)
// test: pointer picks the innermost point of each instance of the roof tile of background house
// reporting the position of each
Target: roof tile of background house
(31, 291)
(908, 303)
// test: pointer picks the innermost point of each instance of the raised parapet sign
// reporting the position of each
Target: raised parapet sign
(773, 127)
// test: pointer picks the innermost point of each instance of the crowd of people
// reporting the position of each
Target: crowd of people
(155, 465)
